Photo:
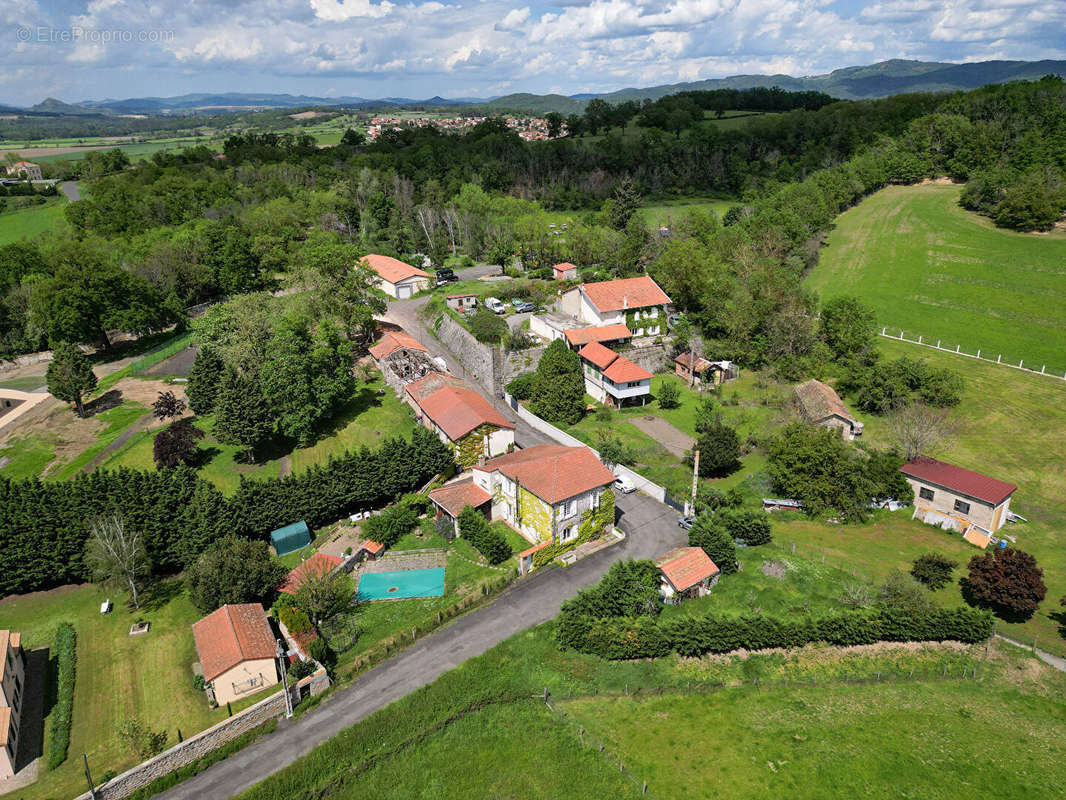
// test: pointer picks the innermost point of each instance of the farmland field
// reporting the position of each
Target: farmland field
(670, 212)
(32, 221)
(931, 268)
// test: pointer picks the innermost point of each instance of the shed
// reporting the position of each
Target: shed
(290, 538)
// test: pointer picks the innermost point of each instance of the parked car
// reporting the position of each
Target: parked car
(445, 275)
(494, 305)
(685, 522)
(624, 484)
(673, 319)
(522, 306)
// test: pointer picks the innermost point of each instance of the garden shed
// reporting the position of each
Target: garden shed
(290, 538)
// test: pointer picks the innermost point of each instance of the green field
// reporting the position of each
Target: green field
(671, 212)
(931, 268)
(29, 222)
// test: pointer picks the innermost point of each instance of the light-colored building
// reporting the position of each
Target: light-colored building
(12, 687)
(637, 303)
(565, 271)
(705, 373)
(237, 651)
(821, 405)
(957, 499)
(462, 302)
(25, 169)
(614, 379)
(398, 279)
(607, 335)
(460, 416)
(686, 573)
(546, 492)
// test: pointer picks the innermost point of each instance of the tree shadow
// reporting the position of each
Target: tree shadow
(159, 594)
(1059, 617)
(105, 402)
(38, 699)
(366, 398)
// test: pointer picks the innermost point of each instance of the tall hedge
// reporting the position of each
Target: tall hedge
(179, 513)
(64, 652)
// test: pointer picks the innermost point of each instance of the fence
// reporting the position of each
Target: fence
(820, 554)
(957, 350)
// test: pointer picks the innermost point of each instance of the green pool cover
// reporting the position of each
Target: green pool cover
(401, 585)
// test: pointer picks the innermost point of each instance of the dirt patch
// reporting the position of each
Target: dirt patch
(29, 153)
(31, 596)
(145, 392)
(178, 365)
(309, 115)
(774, 569)
(670, 437)
(937, 182)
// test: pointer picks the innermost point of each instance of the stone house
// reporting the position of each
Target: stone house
(957, 499)
(638, 303)
(12, 685)
(237, 650)
(25, 169)
(686, 573)
(450, 500)
(565, 271)
(614, 379)
(821, 405)
(396, 278)
(460, 416)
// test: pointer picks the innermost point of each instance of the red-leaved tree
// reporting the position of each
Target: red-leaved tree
(1006, 581)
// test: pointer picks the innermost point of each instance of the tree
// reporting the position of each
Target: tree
(323, 594)
(559, 391)
(629, 589)
(669, 395)
(70, 376)
(234, 570)
(353, 138)
(1006, 581)
(487, 326)
(176, 444)
(115, 553)
(934, 570)
(903, 592)
(747, 525)
(555, 123)
(625, 202)
(709, 533)
(521, 386)
(611, 449)
(242, 417)
(719, 448)
(167, 405)
(141, 740)
(847, 326)
(487, 540)
(918, 428)
(205, 378)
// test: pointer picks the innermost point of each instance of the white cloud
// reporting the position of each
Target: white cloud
(514, 20)
(342, 10)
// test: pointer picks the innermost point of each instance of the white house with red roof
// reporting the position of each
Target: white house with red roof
(638, 303)
(686, 573)
(958, 499)
(544, 492)
(29, 170)
(397, 279)
(460, 417)
(237, 651)
(613, 379)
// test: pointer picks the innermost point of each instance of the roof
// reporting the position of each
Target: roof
(317, 565)
(596, 353)
(820, 401)
(391, 341)
(230, 636)
(686, 566)
(957, 479)
(702, 364)
(453, 406)
(553, 472)
(625, 293)
(623, 370)
(371, 546)
(564, 266)
(462, 294)
(392, 269)
(530, 551)
(454, 497)
(599, 333)
(24, 164)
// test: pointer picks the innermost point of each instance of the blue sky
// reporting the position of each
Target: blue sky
(78, 50)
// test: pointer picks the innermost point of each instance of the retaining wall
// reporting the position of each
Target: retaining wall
(653, 358)
(477, 359)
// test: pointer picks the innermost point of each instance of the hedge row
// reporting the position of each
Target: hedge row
(64, 652)
(645, 637)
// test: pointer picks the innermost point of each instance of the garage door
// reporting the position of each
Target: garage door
(403, 292)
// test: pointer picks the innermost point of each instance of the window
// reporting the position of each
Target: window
(569, 508)
(925, 494)
(569, 532)
(633, 384)
(962, 507)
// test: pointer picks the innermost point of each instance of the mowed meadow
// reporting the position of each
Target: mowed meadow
(931, 268)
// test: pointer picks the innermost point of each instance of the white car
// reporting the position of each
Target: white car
(494, 305)
(624, 484)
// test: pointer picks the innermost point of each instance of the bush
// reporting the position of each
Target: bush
(295, 619)
(390, 525)
(902, 592)
(521, 386)
(141, 740)
(751, 527)
(1007, 581)
(300, 669)
(630, 588)
(934, 570)
(323, 654)
(487, 540)
(64, 651)
(669, 395)
(487, 326)
(719, 448)
(710, 534)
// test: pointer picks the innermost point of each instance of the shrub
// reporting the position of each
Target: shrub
(711, 499)
(390, 525)
(295, 619)
(487, 540)
(64, 650)
(630, 588)
(719, 448)
(1006, 581)
(751, 527)
(934, 570)
(902, 592)
(176, 444)
(669, 395)
(141, 740)
(300, 669)
(322, 653)
(487, 326)
(710, 534)
(856, 595)
(521, 386)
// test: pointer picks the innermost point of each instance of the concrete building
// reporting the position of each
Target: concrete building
(686, 573)
(958, 499)
(12, 685)
(637, 303)
(397, 279)
(25, 169)
(565, 271)
(462, 302)
(543, 492)
(237, 651)
(614, 379)
(821, 405)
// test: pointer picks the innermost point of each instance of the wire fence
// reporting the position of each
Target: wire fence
(820, 555)
(946, 347)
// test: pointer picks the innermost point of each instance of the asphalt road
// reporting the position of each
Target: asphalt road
(71, 190)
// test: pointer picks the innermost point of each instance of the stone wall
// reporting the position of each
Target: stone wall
(477, 359)
(7, 365)
(201, 744)
(653, 358)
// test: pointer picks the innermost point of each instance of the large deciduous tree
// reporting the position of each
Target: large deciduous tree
(116, 553)
(69, 376)
(234, 570)
(559, 388)
(847, 326)
(1007, 581)
(176, 444)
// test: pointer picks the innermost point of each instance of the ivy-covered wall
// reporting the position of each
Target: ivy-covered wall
(638, 321)
(536, 514)
(472, 446)
(595, 522)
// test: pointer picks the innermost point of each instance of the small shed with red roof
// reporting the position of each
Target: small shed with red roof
(956, 498)
(686, 573)
(565, 271)
(452, 498)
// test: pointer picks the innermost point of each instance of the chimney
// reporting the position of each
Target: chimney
(625, 302)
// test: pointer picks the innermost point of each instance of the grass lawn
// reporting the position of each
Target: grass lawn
(29, 222)
(29, 455)
(118, 676)
(24, 384)
(932, 268)
(670, 212)
(913, 739)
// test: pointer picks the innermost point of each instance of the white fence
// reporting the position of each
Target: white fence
(957, 350)
(653, 490)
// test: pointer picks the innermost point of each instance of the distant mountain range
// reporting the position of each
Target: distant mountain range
(852, 83)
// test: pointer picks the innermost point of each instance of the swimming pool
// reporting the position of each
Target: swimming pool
(401, 585)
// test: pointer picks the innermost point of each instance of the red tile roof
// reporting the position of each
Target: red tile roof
(596, 353)
(957, 479)
(564, 267)
(392, 269)
(553, 472)
(317, 565)
(530, 551)
(230, 636)
(391, 341)
(623, 370)
(371, 546)
(454, 497)
(454, 407)
(686, 566)
(625, 293)
(702, 364)
(600, 333)
(820, 401)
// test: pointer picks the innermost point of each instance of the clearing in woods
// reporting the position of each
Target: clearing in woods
(931, 268)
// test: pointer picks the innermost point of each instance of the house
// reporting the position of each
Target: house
(237, 650)
(821, 405)
(704, 373)
(565, 271)
(391, 341)
(686, 573)
(368, 550)
(460, 417)
(608, 335)
(290, 538)
(613, 379)
(544, 491)
(398, 279)
(12, 684)
(637, 303)
(462, 302)
(317, 565)
(955, 498)
(31, 171)
(402, 359)
(452, 498)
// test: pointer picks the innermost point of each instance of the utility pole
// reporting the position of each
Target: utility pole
(284, 680)
(695, 480)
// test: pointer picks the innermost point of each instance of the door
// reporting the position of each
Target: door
(403, 292)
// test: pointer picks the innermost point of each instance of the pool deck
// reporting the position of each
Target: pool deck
(400, 561)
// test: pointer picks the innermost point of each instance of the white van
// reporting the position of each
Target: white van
(494, 305)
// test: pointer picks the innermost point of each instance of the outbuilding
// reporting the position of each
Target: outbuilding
(565, 271)
(955, 498)
(290, 538)
(397, 278)
(462, 302)
(452, 498)
(686, 573)
(821, 405)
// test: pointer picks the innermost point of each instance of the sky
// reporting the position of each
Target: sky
(76, 50)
